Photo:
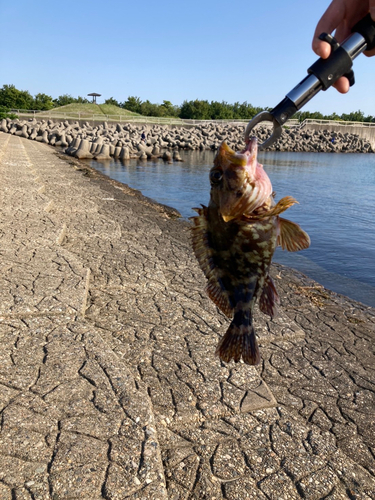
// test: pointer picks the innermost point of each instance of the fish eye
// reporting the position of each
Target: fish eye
(216, 176)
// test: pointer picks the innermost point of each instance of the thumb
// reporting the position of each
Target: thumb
(370, 53)
(330, 20)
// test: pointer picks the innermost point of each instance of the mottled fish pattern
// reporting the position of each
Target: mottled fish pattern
(234, 239)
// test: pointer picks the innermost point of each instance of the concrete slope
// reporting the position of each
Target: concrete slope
(109, 386)
(75, 422)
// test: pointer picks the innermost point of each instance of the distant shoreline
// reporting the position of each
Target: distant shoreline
(124, 140)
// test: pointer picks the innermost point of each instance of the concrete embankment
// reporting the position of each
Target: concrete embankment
(361, 131)
(109, 387)
(123, 141)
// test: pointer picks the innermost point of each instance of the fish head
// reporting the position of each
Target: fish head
(239, 183)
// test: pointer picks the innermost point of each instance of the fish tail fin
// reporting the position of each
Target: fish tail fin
(239, 341)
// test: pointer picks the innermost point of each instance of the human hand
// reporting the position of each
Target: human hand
(341, 15)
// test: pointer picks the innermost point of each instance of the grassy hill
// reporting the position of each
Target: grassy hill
(98, 113)
(88, 111)
(111, 109)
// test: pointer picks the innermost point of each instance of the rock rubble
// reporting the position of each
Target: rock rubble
(124, 141)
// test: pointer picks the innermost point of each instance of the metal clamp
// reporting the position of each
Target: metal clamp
(264, 116)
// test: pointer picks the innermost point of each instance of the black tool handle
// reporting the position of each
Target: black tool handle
(340, 61)
(329, 70)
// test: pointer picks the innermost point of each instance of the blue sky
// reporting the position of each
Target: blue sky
(167, 50)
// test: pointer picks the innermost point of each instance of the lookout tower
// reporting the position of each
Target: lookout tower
(94, 95)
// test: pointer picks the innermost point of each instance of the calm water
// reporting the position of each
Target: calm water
(336, 193)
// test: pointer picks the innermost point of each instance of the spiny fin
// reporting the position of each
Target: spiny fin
(220, 298)
(279, 208)
(269, 299)
(227, 218)
(239, 341)
(291, 236)
(200, 244)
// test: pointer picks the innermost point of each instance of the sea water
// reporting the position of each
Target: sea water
(336, 195)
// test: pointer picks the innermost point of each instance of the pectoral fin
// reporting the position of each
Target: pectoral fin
(220, 298)
(201, 247)
(279, 208)
(291, 237)
(269, 299)
(204, 254)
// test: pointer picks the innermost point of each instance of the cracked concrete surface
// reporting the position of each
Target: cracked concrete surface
(109, 387)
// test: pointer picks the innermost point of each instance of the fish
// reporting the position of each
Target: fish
(234, 239)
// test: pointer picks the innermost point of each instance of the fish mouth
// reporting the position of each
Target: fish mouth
(251, 147)
(256, 189)
(251, 152)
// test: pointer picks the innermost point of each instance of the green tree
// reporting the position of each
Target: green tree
(304, 115)
(63, 100)
(4, 113)
(12, 98)
(195, 110)
(354, 116)
(43, 102)
(333, 116)
(147, 108)
(168, 109)
(82, 100)
(112, 101)
(221, 111)
(245, 111)
(132, 104)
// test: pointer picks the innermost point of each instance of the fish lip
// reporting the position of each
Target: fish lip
(251, 148)
(253, 143)
(251, 154)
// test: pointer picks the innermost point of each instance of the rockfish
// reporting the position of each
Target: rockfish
(234, 239)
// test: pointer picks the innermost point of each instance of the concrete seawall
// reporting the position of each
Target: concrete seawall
(363, 131)
(109, 387)
(122, 141)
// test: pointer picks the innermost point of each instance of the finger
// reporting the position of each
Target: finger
(372, 9)
(342, 85)
(342, 32)
(323, 49)
(370, 53)
(330, 20)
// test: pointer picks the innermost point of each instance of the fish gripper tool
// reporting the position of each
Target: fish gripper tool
(321, 75)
